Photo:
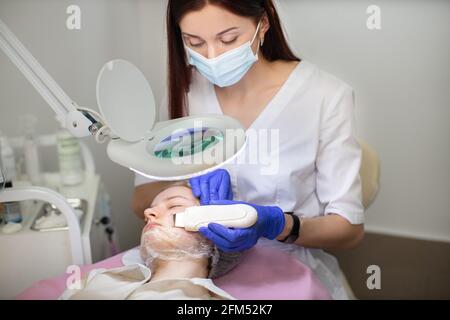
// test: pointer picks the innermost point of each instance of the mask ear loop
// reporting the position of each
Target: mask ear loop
(261, 42)
(256, 33)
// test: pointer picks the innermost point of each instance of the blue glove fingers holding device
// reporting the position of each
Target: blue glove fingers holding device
(215, 185)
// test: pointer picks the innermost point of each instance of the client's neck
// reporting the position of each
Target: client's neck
(171, 269)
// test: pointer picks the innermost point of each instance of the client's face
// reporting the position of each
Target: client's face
(160, 239)
(167, 203)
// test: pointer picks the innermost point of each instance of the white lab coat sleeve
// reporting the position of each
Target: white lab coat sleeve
(163, 115)
(338, 160)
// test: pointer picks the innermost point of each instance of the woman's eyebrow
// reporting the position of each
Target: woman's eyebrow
(178, 196)
(219, 34)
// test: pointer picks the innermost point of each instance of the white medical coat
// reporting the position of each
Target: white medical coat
(308, 157)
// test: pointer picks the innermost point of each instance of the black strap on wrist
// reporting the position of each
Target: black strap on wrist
(295, 231)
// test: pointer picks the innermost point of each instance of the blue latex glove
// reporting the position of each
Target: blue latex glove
(270, 224)
(215, 185)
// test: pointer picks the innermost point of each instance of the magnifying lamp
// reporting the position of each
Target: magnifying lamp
(169, 150)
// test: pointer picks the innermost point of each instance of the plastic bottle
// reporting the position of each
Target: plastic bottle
(11, 209)
(2, 175)
(7, 160)
(12, 214)
(70, 161)
(30, 150)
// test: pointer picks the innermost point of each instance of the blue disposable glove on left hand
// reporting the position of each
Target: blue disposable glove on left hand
(270, 224)
(215, 185)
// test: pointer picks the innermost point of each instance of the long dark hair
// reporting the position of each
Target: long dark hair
(180, 72)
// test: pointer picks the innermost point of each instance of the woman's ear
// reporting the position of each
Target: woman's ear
(265, 25)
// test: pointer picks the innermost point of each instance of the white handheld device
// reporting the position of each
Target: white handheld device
(232, 216)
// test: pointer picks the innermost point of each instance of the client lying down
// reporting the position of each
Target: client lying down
(178, 264)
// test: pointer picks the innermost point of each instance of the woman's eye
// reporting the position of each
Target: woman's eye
(229, 42)
(196, 45)
(176, 206)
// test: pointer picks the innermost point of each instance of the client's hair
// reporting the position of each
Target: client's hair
(222, 262)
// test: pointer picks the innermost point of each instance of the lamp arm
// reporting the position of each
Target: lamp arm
(80, 124)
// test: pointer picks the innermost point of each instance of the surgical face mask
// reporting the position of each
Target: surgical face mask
(228, 68)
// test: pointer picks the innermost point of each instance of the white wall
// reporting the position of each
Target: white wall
(400, 74)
